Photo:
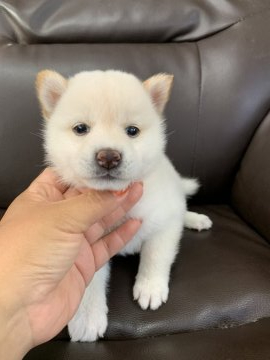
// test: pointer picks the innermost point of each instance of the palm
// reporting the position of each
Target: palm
(51, 311)
(71, 260)
(63, 300)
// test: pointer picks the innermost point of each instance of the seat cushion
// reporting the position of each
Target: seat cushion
(221, 278)
(247, 342)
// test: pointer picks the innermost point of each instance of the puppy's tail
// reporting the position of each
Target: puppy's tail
(190, 186)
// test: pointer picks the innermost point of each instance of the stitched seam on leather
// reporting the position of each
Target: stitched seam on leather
(195, 143)
(251, 15)
(30, 33)
(225, 27)
(256, 129)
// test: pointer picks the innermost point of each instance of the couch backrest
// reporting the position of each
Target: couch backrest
(251, 190)
(219, 54)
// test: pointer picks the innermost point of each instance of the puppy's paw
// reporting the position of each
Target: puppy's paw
(197, 221)
(202, 222)
(88, 326)
(150, 293)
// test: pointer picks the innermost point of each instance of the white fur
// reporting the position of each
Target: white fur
(197, 221)
(90, 321)
(109, 102)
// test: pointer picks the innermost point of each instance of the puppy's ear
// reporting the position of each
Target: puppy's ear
(50, 87)
(159, 88)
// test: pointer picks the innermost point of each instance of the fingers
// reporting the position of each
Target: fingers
(111, 244)
(84, 210)
(71, 192)
(85, 262)
(48, 177)
(97, 230)
(77, 214)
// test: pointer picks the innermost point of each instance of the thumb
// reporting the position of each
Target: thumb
(78, 213)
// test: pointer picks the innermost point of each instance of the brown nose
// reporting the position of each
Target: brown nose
(108, 158)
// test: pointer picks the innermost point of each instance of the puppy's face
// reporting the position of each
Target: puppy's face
(104, 130)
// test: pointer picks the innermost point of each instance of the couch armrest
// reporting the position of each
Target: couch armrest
(251, 190)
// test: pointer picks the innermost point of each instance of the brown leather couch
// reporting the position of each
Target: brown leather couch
(219, 131)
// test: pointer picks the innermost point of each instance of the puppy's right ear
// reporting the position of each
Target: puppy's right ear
(50, 87)
(159, 88)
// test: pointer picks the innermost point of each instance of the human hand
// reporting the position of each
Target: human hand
(51, 243)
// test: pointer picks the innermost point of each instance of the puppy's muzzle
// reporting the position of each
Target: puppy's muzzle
(108, 158)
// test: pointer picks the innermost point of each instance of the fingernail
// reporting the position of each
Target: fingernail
(120, 193)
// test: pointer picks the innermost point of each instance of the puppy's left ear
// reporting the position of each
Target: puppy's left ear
(159, 88)
(50, 87)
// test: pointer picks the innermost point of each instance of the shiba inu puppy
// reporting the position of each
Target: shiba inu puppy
(105, 130)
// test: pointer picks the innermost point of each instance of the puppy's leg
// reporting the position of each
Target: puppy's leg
(151, 287)
(197, 221)
(90, 321)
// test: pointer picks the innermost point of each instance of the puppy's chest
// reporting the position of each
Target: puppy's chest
(138, 212)
(154, 217)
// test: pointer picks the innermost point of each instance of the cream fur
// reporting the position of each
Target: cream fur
(108, 102)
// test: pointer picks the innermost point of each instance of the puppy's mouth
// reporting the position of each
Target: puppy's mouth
(108, 181)
(106, 177)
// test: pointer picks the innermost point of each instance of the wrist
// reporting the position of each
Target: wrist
(15, 332)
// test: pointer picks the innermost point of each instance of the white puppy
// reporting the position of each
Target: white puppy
(105, 130)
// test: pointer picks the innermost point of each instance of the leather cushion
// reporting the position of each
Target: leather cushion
(219, 98)
(251, 191)
(247, 342)
(221, 278)
(220, 95)
(118, 21)
(208, 133)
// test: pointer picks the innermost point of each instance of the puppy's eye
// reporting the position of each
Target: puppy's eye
(81, 129)
(132, 131)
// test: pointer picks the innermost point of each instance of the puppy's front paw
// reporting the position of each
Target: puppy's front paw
(197, 222)
(202, 223)
(88, 326)
(150, 293)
